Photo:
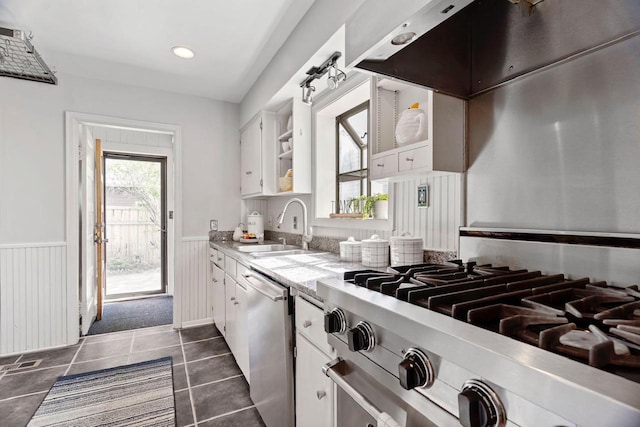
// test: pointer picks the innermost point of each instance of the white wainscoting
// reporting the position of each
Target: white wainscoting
(196, 298)
(33, 297)
(438, 223)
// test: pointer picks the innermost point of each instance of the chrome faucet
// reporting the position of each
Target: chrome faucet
(306, 237)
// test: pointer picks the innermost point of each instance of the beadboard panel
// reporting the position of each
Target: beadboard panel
(33, 297)
(438, 223)
(196, 298)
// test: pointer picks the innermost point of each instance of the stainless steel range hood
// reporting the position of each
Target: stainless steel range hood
(19, 59)
(465, 48)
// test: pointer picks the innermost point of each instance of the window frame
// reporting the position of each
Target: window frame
(343, 120)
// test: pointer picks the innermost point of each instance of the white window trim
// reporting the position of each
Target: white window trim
(328, 97)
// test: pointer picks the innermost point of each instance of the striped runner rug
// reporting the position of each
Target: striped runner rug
(132, 395)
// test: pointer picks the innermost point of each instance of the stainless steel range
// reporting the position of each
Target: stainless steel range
(483, 344)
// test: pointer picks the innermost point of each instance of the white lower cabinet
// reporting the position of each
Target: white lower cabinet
(217, 279)
(315, 392)
(242, 336)
(230, 311)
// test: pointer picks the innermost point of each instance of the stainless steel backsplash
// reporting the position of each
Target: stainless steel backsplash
(560, 149)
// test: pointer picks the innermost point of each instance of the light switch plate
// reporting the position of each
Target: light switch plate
(213, 225)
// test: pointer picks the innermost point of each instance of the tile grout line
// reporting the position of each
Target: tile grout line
(210, 357)
(74, 358)
(204, 339)
(228, 413)
(23, 395)
(133, 337)
(216, 381)
(186, 372)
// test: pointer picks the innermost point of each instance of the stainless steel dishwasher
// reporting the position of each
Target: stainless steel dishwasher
(270, 349)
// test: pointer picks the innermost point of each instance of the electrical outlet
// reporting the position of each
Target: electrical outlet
(295, 222)
(213, 225)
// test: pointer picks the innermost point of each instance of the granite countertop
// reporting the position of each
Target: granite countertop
(300, 272)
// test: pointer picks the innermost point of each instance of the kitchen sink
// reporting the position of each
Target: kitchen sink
(267, 248)
(279, 253)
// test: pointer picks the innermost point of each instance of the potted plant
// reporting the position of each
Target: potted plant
(380, 206)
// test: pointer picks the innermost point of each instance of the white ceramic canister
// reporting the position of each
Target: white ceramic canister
(255, 224)
(406, 250)
(375, 252)
(350, 250)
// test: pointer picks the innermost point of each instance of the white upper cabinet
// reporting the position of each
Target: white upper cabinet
(441, 145)
(257, 156)
(293, 148)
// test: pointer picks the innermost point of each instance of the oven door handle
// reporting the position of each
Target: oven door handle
(383, 418)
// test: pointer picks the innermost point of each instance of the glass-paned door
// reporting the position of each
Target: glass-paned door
(135, 219)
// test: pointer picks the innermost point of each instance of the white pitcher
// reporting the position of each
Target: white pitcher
(412, 126)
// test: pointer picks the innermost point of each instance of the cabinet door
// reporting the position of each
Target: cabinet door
(217, 280)
(242, 336)
(314, 390)
(230, 311)
(251, 158)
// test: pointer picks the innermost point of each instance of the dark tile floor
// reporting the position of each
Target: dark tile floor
(210, 389)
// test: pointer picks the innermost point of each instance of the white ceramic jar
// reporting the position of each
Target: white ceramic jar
(406, 250)
(255, 224)
(375, 252)
(350, 250)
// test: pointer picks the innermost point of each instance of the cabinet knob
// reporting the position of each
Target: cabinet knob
(380, 165)
(306, 323)
(233, 299)
(248, 172)
(409, 159)
(215, 280)
(236, 303)
(320, 394)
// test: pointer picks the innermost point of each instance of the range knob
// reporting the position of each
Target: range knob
(335, 322)
(479, 406)
(415, 370)
(361, 337)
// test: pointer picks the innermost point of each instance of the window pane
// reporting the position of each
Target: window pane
(379, 187)
(348, 190)
(349, 152)
(359, 123)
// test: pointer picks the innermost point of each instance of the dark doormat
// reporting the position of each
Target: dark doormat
(134, 314)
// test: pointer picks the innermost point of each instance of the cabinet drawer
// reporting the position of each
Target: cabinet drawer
(417, 158)
(310, 323)
(230, 266)
(382, 166)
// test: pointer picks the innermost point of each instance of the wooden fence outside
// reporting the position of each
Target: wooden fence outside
(133, 238)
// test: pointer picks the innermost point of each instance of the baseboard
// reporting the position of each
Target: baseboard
(199, 322)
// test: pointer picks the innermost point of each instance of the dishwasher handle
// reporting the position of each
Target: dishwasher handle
(262, 286)
(383, 418)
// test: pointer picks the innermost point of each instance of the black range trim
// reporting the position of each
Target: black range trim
(571, 239)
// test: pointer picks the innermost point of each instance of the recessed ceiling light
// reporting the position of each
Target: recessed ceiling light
(183, 52)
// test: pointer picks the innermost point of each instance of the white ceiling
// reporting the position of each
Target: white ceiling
(129, 41)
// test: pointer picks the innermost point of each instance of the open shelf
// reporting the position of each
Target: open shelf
(286, 154)
(286, 135)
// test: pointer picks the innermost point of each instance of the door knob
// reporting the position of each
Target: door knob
(320, 394)
(306, 324)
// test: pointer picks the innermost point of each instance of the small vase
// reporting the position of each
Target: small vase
(381, 209)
